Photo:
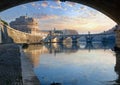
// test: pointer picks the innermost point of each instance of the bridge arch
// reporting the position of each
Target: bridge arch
(108, 7)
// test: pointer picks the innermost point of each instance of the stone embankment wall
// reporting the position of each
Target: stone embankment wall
(10, 65)
(10, 35)
(117, 31)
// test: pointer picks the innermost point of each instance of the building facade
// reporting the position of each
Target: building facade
(25, 24)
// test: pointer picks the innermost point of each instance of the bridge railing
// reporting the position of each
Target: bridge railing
(22, 37)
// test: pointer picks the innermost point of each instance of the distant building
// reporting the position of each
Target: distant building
(62, 32)
(65, 32)
(25, 24)
(69, 32)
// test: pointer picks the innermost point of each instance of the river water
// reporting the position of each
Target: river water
(75, 64)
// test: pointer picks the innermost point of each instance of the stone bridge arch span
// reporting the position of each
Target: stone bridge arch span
(16, 36)
(107, 7)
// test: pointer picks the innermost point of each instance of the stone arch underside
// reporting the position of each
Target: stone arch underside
(109, 7)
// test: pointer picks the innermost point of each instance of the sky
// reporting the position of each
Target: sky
(61, 15)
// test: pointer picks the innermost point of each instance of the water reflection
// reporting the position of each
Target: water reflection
(75, 64)
(33, 52)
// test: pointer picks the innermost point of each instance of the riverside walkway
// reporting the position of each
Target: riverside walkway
(13, 69)
(10, 65)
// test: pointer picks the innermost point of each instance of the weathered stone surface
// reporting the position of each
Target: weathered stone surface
(10, 65)
(10, 35)
(117, 31)
(15, 67)
(29, 77)
(25, 24)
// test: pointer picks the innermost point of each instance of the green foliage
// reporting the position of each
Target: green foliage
(4, 22)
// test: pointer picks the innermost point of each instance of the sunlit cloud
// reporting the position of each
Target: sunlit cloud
(82, 25)
(45, 16)
(65, 9)
(63, 15)
(44, 4)
(24, 6)
(58, 6)
(33, 4)
(71, 4)
(57, 2)
(55, 7)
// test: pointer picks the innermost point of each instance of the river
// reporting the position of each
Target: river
(75, 64)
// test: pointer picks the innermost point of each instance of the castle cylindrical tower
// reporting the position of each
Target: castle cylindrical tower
(25, 24)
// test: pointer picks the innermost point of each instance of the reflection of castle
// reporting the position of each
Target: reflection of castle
(33, 53)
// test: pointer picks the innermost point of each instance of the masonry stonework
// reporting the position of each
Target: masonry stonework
(10, 35)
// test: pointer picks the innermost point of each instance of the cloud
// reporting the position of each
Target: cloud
(84, 18)
(46, 17)
(35, 5)
(58, 2)
(44, 4)
(83, 7)
(56, 7)
(71, 4)
(24, 6)
(82, 25)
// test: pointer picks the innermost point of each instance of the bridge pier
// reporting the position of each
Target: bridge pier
(75, 46)
(74, 39)
(104, 39)
(50, 39)
(61, 40)
(89, 38)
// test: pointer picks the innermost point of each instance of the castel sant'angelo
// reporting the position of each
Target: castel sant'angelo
(31, 25)
(25, 24)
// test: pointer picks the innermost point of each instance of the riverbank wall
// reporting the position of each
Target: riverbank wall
(15, 68)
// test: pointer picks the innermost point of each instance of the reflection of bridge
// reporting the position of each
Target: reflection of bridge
(88, 37)
(34, 51)
(73, 47)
